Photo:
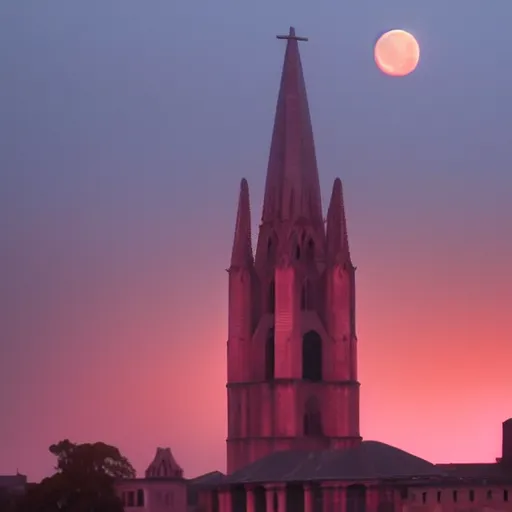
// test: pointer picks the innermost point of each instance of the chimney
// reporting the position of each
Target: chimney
(506, 452)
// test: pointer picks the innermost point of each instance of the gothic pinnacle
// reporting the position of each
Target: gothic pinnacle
(242, 255)
(337, 235)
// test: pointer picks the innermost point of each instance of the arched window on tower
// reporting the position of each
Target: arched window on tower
(306, 298)
(312, 356)
(270, 355)
(312, 418)
(271, 299)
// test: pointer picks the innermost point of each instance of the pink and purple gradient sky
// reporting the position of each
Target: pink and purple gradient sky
(124, 131)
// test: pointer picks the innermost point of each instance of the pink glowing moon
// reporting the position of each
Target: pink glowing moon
(397, 53)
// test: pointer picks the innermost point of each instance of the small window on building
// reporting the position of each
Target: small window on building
(438, 496)
(505, 495)
(140, 498)
(455, 495)
(297, 253)
(131, 499)
(489, 494)
(404, 493)
(424, 497)
(471, 495)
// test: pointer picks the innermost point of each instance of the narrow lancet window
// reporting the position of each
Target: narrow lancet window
(312, 356)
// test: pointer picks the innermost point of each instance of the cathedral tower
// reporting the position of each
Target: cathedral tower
(292, 360)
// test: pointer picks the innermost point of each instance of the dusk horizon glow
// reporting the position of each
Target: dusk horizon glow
(125, 132)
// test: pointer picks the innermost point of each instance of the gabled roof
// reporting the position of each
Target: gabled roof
(369, 461)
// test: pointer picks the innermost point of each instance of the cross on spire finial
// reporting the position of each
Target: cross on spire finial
(292, 35)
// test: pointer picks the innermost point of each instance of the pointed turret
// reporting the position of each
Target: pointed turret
(164, 465)
(241, 283)
(337, 236)
(292, 188)
(340, 291)
(241, 256)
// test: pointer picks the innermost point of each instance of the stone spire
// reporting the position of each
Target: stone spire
(291, 329)
(337, 235)
(292, 188)
(241, 255)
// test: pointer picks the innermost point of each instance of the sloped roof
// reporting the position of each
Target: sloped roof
(211, 478)
(164, 465)
(368, 461)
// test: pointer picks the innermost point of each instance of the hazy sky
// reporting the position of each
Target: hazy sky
(125, 127)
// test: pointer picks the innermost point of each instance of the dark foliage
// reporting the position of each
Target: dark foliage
(84, 481)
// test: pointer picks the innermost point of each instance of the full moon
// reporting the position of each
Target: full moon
(397, 53)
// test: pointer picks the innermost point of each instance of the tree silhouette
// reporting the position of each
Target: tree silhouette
(84, 480)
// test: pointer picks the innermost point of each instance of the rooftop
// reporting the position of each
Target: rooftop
(370, 460)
